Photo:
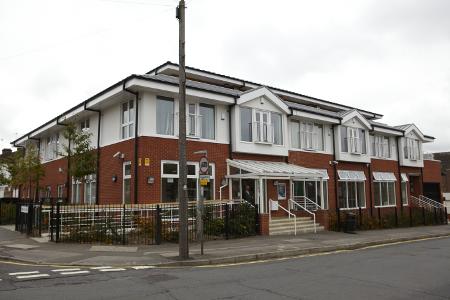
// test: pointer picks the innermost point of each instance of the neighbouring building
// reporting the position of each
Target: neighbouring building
(5, 190)
(444, 158)
(263, 144)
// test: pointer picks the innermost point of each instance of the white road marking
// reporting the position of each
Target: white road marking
(112, 270)
(66, 270)
(23, 273)
(74, 273)
(142, 267)
(101, 268)
(32, 276)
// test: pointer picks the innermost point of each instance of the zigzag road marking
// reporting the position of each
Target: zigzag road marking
(65, 270)
(112, 270)
(23, 273)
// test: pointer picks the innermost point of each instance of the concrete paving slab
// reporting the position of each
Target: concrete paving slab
(113, 249)
(21, 246)
(8, 227)
(104, 260)
(43, 239)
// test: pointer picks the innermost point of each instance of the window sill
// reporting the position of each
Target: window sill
(352, 208)
(384, 206)
(263, 143)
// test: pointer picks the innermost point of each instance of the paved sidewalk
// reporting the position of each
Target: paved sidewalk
(15, 246)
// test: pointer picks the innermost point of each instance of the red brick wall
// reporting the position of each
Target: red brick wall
(261, 157)
(53, 177)
(432, 171)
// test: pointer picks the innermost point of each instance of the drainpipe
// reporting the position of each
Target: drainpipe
(39, 155)
(97, 173)
(399, 171)
(333, 127)
(136, 143)
(69, 184)
(370, 188)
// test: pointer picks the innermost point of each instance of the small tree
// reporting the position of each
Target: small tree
(22, 167)
(79, 153)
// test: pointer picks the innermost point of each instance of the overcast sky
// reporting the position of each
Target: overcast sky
(391, 57)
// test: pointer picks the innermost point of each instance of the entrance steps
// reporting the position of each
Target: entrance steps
(285, 226)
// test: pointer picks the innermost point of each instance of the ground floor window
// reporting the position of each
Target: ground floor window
(76, 187)
(351, 194)
(90, 189)
(126, 199)
(169, 182)
(384, 193)
(60, 191)
(311, 190)
(404, 186)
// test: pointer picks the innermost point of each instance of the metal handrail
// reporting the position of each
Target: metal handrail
(306, 199)
(307, 210)
(420, 202)
(289, 214)
(432, 202)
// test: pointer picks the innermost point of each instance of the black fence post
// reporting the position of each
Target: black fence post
(435, 216)
(40, 219)
(17, 216)
(396, 217)
(256, 219)
(123, 225)
(30, 219)
(51, 222)
(360, 217)
(379, 217)
(423, 215)
(227, 221)
(58, 220)
(158, 232)
(1, 215)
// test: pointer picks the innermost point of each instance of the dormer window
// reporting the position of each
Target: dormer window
(84, 125)
(412, 149)
(260, 126)
(353, 140)
(380, 146)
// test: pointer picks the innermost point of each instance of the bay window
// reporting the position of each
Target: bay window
(164, 116)
(412, 149)
(351, 189)
(261, 126)
(169, 182)
(127, 119)
(277, 129)
(307, 136)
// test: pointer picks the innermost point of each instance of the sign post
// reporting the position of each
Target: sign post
(204, 179)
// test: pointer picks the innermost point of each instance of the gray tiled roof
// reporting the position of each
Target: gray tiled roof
(194, 84)
(311, 109)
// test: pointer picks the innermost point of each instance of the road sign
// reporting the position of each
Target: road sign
(204, 165)
(24, 209)
(204, 181)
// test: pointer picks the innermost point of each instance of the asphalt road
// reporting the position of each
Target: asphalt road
(418, 270)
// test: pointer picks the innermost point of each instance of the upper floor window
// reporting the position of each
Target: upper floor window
(246, 124)
(52, 148)
(84, 125)
(412, 149)
(353, 140)
(127, 119)
(201, 121)
(261, 126)
(164, 116)
(380, 146)
(307, 135)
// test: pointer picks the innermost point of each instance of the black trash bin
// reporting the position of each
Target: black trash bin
(350, 222)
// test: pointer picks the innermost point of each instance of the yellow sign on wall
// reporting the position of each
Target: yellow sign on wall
(204, 181)
(147, 162)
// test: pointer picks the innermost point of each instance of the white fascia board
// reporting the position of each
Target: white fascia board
(260, 92)
(359, 116)
(91, 103)
(137, 82)
(308, 115)
(21, 141)
(200, 73)
(71, 114)
(414, 128)
(427, 140)
(377, 129)
(43, 129)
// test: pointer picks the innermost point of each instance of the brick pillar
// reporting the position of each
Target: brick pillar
(264, 224)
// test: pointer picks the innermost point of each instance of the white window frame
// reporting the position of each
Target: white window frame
(356, 194)
(324, 204)
(85, 124)
(386, 183)
(125, 177)
(52, 147)
(196, 130)
(169, 119)
(380, 146)
(89, 184)
(60, 191)
(76, 186)
(195, 176)
(308, 136)
(129, 123)
(412, 149)
(262, 131)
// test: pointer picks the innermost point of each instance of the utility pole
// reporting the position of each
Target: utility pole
(182, 179)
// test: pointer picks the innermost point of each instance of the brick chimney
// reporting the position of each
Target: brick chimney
(6, 151)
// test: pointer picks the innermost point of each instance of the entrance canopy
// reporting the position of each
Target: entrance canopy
(271, 170)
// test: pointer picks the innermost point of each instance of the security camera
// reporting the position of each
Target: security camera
(333, 162)
(116, 155)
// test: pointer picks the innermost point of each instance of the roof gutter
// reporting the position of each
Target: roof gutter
(136, 140)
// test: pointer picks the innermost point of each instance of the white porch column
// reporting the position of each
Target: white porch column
(321, 192)
(261, 196)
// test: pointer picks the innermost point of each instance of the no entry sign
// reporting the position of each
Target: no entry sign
(204, 165)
